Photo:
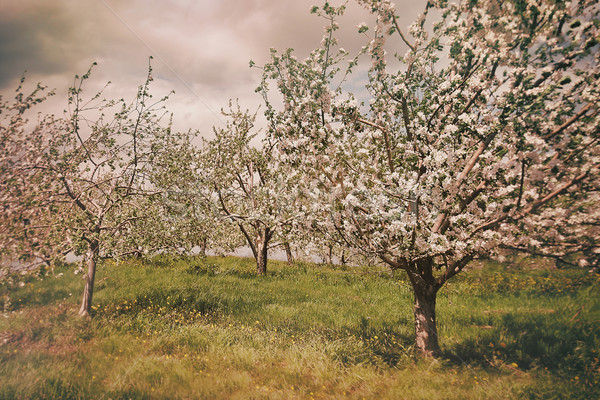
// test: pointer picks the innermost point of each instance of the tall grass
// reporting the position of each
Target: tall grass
(210, 328)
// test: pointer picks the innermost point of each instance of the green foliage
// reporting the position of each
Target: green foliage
(210, 328)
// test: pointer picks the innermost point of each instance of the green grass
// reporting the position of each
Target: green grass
(210, 328)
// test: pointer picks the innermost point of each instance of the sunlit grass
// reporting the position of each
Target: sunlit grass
(210, 328)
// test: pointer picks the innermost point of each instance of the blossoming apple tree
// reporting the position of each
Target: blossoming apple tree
(480, 131)
(23, 214)
(246, 187)
(81, 183)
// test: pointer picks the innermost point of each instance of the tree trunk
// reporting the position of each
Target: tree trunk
(88, 291)
(261, 262)
(426, 339)
(204, 245)
(288, 253)
(262, 246)
(261, 259)
(420, 274)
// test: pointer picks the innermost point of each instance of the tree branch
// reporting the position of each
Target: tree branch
(534, 206)
(569, 122)
(470, 165)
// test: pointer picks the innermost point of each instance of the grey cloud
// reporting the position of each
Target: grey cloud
(207, 43)
(32, 41)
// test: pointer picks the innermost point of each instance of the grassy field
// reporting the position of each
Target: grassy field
(209, 328)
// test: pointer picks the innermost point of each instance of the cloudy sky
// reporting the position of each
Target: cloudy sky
(201, 48)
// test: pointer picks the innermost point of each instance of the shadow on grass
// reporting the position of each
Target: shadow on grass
(367, 344)
(243, 269)
(529, 341)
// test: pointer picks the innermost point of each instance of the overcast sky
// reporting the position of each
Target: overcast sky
(201, 48)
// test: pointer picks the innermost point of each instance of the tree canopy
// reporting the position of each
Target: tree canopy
(479, 133)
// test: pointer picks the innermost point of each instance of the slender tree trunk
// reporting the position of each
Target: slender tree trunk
(262, 246)
(203, 246)
(426, 336)
(288, 253)
(88, 291)
(261, 262)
